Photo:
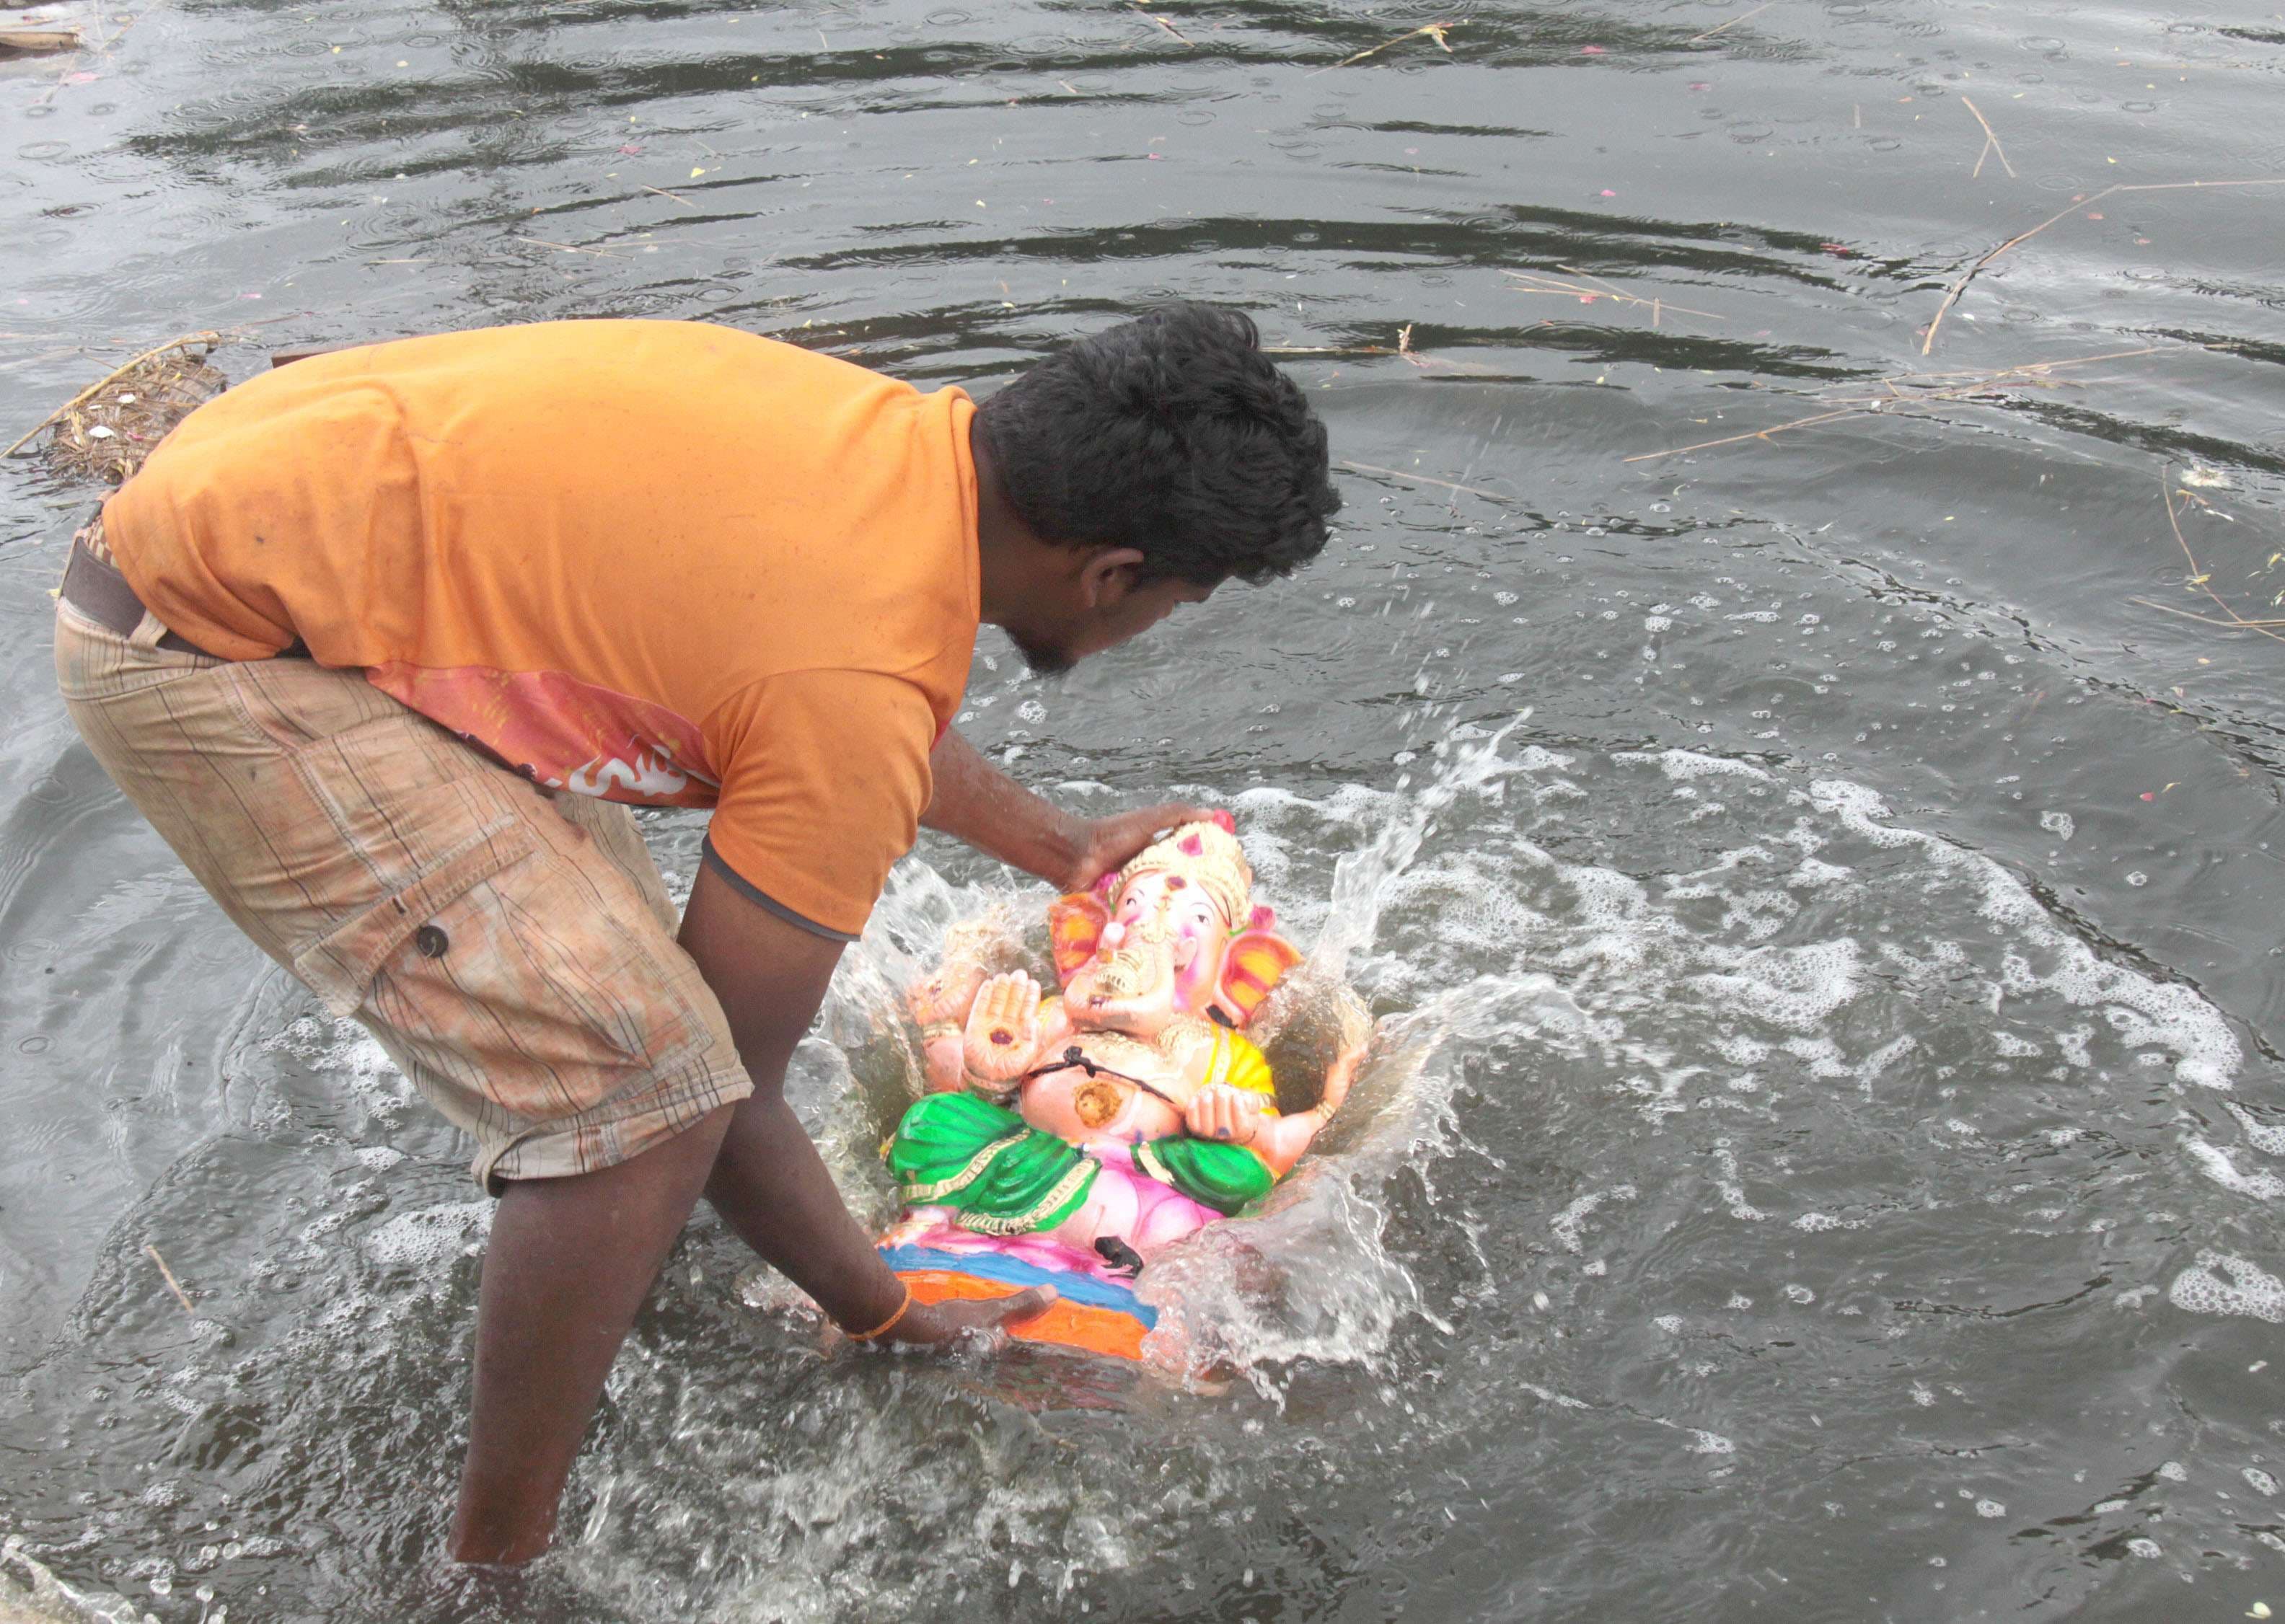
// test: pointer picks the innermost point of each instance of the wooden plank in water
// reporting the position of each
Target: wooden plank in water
(38, 41)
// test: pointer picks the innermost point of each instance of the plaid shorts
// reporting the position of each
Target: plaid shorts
(512, 949)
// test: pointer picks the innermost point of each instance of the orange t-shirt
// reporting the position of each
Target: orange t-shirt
(663, 562)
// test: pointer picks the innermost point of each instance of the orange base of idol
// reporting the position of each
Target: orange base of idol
(1095, 1311)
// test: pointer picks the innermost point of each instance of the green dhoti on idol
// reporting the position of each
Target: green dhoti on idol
(1131, 1109)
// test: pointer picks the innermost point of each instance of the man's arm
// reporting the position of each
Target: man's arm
(768, 1181)
(976, 803)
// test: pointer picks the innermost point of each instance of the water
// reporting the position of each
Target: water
(1825, 1152)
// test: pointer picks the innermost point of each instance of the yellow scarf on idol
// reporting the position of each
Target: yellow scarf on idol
(1237, 1061)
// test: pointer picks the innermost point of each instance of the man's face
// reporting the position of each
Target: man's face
(1053, 649)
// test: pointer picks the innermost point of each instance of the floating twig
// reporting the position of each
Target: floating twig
(1423, 478)
(1952, 294)
(2199, 578)
(121, 31)
(173, 1285)
(565, 246)
(664, 192)
(1758, 434)
(1161, 22)
(1428, 362)
(2028, 369)
(1403, 351)
(2029, 374)
(1433, 30)
(2203, 620)
(107, 380)
(1739, 18)
(1539, 282)
(1990, 144)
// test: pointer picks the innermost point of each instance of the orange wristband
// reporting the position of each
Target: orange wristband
(885, 1326)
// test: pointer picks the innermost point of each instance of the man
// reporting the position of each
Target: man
(374, 642)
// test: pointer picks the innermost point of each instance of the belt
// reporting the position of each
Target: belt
(95, 587)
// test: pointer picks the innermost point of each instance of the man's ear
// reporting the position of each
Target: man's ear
(1074, 927)
(1258, 962)
(1108, 575)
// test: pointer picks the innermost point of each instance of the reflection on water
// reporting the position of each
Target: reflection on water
(1817, 895)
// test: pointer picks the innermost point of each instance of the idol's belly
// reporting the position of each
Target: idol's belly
(1080, 1109)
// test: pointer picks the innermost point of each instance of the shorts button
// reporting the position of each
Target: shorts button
(431, 942)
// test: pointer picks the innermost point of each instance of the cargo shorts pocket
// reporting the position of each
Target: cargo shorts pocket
(340, 966)
(517, 986)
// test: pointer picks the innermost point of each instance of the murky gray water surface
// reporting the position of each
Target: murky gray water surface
(1821, 894)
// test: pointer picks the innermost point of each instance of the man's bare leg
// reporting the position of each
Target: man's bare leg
(568, 1263)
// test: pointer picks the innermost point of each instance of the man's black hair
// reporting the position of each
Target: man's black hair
(1173, 435)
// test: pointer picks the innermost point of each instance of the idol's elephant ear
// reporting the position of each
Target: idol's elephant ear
(1074, 927)
(1258, 962)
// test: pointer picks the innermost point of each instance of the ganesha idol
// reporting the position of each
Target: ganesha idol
(1064, 1138)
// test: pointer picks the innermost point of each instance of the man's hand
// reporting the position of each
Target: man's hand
(1105, 846)
(976, 802)
(936, 1324)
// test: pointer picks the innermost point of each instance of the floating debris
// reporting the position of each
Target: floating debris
(1908, 389)
(173, 1285)
(106, 430)
(1433, 30)
(1739, 18)
(2203, 579)
(1538, 282)
(1992, 147)
(38, 41)
(1960, 285)
(1161, 22)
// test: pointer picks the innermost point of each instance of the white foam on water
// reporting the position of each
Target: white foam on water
(347, 1054)
(1797, 988)
(1821, 1055)
(1813, 1223)
(2216, 1164)
(2270, 1140)
(1683, 765)
(429, 1238)
(1732, 1185)
(1565, 1223)
(2171, 1015)
(1814, 873)
(2246, 1292)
